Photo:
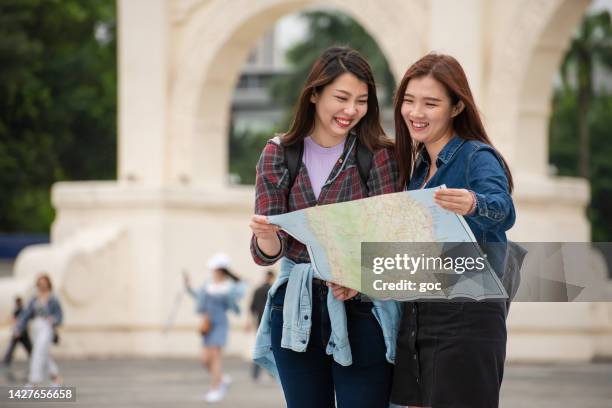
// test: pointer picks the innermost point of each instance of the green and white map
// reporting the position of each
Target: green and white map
(334, 235)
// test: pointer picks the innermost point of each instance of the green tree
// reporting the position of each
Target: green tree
(600, 210)
(57, 102)
(579, 110)
(244, 150)
(590, 46)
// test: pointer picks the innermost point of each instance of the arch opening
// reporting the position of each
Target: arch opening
(216, 43)
(267, 90)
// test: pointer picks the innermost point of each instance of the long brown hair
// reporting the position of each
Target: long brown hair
(332, 63)
(46, 278)
(467, 124)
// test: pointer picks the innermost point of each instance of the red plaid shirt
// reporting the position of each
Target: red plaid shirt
(343, 184)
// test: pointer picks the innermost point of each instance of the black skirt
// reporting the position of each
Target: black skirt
(450, 354)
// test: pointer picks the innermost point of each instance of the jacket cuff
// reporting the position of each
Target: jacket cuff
(266, 258)
(474, 207)
(481, 205)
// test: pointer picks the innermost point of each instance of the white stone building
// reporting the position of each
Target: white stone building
(118, 247)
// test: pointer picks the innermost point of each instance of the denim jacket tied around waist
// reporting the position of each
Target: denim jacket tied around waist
(296, 329)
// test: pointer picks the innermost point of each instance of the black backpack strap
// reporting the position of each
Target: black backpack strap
(364, 158)
(293, 160)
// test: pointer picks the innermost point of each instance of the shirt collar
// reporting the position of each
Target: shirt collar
(447, 152)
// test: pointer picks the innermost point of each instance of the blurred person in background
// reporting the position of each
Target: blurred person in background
(22, 338)
(218, 295)
(258, 304)
(45, 312)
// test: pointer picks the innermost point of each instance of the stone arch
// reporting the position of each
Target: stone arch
(520, 85)
(215, 42)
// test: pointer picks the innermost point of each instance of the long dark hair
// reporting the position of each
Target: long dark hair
(332, 63)
(467, 124)
(229, 274)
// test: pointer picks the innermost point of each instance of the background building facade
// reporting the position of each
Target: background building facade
(118, 248)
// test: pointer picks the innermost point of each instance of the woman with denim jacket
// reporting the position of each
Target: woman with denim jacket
(45, 312)
(330, 351)
(451, 354)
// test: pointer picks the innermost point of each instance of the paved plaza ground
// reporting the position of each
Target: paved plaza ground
(180, 383)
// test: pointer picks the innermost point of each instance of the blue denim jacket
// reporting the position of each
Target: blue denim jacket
(474, 166)
(296, 329)
(53, 309)
(234, 295)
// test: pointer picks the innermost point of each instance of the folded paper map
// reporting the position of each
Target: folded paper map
(349, 242)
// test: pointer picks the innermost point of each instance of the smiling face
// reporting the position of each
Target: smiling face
(428, 111)
(338, 108)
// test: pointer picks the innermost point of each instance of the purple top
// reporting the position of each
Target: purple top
(320, 162)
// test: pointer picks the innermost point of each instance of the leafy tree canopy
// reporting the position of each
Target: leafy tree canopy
(57, 102)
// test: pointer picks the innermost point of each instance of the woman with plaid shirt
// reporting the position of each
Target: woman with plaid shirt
(341, 349)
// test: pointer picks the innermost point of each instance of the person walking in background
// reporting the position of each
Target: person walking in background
(45, 312)
(258, 304)
(218, 295)
(22, 338)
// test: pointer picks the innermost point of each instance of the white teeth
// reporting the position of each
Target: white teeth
(343, 122)
(419, 125)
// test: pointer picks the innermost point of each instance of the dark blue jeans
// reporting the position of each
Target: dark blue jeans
(309, 379)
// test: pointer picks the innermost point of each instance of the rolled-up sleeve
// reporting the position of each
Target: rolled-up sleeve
(271, 190)
(487, 179)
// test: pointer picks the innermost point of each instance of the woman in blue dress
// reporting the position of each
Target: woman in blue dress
(44, 311)
(218, 295)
